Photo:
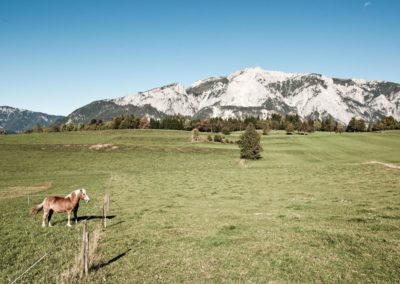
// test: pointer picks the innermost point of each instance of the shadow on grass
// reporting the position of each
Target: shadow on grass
(115, 224)
(91, 217)
(103, 264)
(83, 218)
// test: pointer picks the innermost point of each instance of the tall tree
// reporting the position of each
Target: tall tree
(352, 126)
(249, 144)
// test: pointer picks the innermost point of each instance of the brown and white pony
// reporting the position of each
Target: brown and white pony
(69, 204)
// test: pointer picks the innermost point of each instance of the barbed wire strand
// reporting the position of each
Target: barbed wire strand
(33, 265)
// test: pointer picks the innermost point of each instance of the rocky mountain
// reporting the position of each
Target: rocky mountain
(16, 120)
(256, 92)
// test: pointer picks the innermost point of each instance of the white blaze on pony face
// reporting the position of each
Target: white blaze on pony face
(84, 195)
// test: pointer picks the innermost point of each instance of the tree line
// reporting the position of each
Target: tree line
(290, 123)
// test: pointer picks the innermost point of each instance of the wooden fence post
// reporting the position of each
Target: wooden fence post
(106, 203)
(85, 250)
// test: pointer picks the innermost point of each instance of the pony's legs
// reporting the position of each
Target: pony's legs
(45, 213)
(69, 218)
(76, 213)
(49, 217)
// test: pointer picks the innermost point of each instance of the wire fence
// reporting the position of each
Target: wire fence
(32, 266)
(95, 210)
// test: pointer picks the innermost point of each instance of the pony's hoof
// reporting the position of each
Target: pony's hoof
(69, 225)
(43, 226)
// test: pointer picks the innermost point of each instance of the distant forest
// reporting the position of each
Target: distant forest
(290, 123)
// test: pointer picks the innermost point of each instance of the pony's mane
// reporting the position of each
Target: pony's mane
(70, 194)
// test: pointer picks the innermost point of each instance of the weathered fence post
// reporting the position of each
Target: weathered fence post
(85, 250)
(106, 202)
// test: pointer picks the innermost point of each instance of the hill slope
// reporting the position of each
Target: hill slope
(16, 120)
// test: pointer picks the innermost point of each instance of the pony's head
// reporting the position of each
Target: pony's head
(83, 195)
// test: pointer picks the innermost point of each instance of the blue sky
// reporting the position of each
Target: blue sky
(56, 56)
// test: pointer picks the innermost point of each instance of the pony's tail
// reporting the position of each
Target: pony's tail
(36, 209)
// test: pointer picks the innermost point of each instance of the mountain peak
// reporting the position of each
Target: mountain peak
(261, 74)
(254, 91)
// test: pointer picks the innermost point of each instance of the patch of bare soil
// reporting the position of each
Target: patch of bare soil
(18, 191)
(391, 166)
(97, 147)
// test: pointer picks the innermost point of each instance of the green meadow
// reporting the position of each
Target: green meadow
(311, 210)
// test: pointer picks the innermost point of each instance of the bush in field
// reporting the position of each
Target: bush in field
(225, 131)
(209, 138)
(124, 124)
(2, 131)
(266, 128)
(289, 128)
(217, 138)
(249, 144)
(117, 121)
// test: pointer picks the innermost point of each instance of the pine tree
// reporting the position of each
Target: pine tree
(249, 144)
(352, 126)
(360, 125)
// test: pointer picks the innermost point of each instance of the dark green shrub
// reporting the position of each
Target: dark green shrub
(249, 144)
(217, 138)
(225, 131)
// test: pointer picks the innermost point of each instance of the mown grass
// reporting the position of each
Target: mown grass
(309, 211)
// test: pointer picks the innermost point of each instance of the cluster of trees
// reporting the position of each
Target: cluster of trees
(356, 125)
(250, 147)
(290, 123)
(360, 125)
(249, 142)
(386, 123)
(274, 122)
(215, 125)
(217, 138)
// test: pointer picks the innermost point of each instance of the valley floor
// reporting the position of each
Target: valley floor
(315, 208)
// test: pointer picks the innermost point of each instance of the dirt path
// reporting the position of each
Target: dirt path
(18, 191)
(383, 164)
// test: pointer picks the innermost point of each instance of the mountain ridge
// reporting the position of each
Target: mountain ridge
(257, 92)
(17, 120)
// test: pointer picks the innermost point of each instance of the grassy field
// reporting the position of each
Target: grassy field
(311, 210)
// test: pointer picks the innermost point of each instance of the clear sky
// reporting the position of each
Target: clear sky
(56, 56)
